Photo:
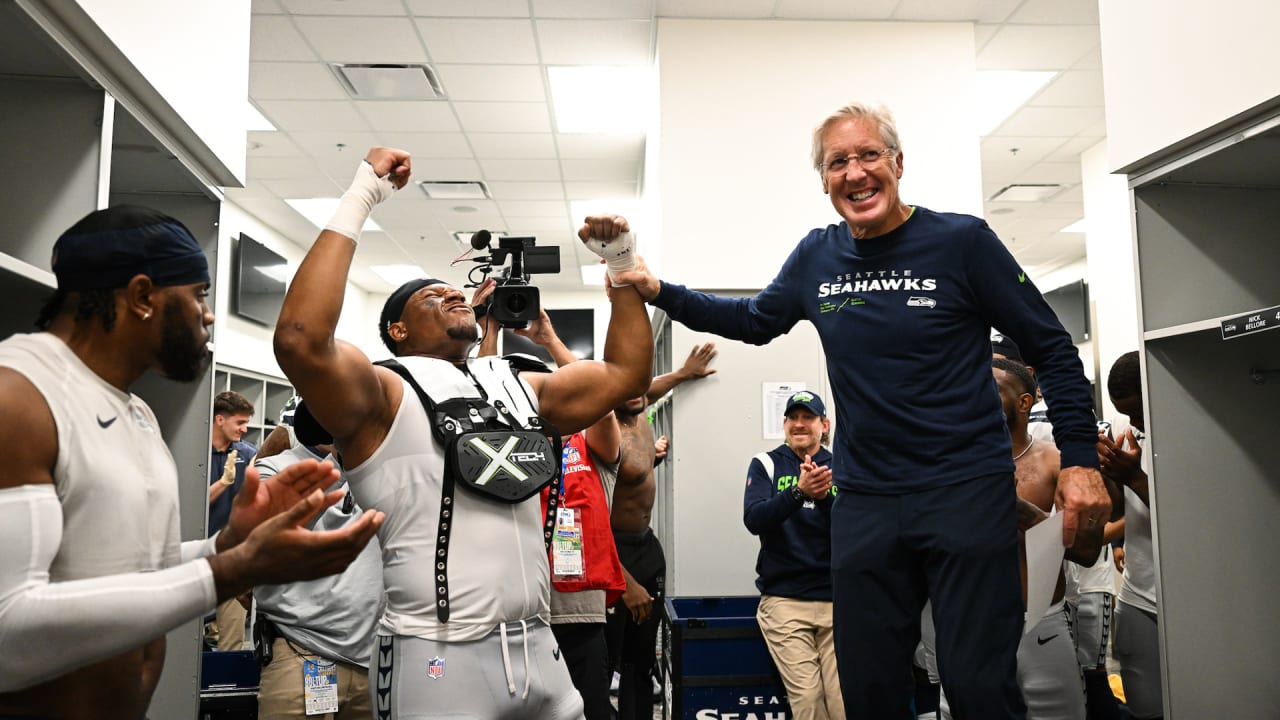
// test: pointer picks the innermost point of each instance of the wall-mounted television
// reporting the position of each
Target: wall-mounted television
(1071, 303)
(257, 282)
(576, 329)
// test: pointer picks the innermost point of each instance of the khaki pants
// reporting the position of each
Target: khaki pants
(800, 639)
(280, 693)
(230, 620)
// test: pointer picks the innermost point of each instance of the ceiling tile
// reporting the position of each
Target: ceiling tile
(594, 42)
(1092, 60)
(1051, 122)
(1010, 155)
(494, 42)
(409, 116)
(354, 143)
(934, 11)
(307, 115)
(1055, 12)
(480, 117)
(348, 39)
(502, 190)
(469, 8)
(447, 169)
(512, 83)
(996, 11)
(982, 35)
(548, 230)
(747, 9)
(512, 145)
(266, 7)
(596, 190)
(1037, 47)
(608, 170)
(293, 81)
(1075, 88)
(614, 147)
(342, 7)
(621, 9)
(271, 144)
(313, 187)
(534, 208)
(429, 145)
(1071, 150)
(1054, 173)
(834, 9)
(276, 168)
(273, 37)
(524, 170)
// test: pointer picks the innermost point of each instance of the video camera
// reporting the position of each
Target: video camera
(514, 302)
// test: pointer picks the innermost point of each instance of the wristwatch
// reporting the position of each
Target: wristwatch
(798, 495)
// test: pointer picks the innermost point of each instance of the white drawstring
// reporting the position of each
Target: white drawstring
(524, 632)
(506, 659)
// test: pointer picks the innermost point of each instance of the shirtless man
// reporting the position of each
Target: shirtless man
(632, 624)
(92, 573)
(1048, 674)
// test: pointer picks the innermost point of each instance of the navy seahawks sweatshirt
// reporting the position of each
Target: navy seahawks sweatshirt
(795, 536)
(905, 321)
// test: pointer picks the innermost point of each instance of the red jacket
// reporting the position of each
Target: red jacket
(582, 489)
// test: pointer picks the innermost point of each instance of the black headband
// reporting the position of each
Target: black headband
(393, 308)
(164, 251)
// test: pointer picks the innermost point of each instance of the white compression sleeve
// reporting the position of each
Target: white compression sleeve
(48, 629)
(196, 549)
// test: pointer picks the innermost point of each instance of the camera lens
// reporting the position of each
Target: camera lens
(517, 303)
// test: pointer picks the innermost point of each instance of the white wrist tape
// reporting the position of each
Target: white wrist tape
(48, 629)
(366, 191)
(619, 254)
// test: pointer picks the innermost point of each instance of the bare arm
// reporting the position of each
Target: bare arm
(696, 366)
(580, 393)
(489, 327)
(345, 392)
(541, 332)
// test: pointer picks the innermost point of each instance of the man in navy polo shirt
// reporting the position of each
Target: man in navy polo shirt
(787, 504)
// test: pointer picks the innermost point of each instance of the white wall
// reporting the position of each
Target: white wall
(246, 344)
(1170, 75)
(1112, 277)
(196, 54)
(737, 121)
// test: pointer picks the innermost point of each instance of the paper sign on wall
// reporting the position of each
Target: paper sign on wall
(773, 405)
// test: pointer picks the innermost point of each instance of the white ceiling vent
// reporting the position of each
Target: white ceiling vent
(455, 189)
(389, 82)
(1025, 193)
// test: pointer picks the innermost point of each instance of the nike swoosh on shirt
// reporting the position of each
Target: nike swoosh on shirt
(1041, 641)
(104, 424)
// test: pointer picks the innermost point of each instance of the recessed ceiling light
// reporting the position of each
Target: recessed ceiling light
(576, 94)
(319, 210)
(389, 82)
(455, 189)
(1025, 193)
(465, 209)
(1000, 93)
(1075, 227)
(398, 274)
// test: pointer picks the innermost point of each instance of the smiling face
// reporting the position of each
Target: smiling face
(804, 430)
(864, 193)
(437, 321)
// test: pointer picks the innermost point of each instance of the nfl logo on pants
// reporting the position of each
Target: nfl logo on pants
(435, 668)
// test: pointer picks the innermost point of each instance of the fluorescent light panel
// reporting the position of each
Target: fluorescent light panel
(578, 95)
(319, 210)
(398, 274)
(464, 238)
(455, 189)
(1002, 92)
(593, 274)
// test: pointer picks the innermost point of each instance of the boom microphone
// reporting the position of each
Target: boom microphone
(480, 240)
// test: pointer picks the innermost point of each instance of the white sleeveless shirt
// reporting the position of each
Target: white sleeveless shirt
(497, 567)
(114, 476)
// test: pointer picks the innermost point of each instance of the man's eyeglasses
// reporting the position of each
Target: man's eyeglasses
(867, 159)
